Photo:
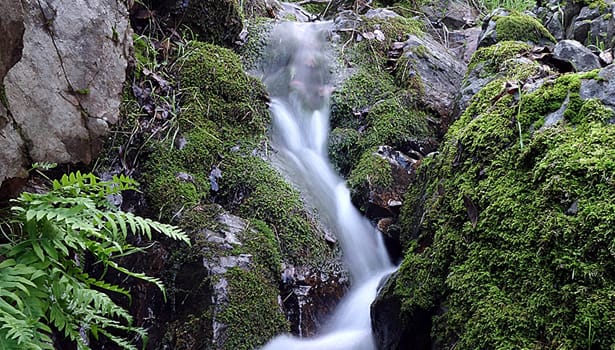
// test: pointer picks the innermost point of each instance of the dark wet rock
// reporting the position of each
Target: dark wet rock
(381, 179)
(216, 21)
(581, 58)
(390, 230)
(557, 16)
(11, 30)
(503, 25)
(438, 72)
(310, 296)
(591, 24)
(397, 330)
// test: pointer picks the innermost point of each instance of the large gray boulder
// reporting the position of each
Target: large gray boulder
(65, 90)
(440, 73)
(581, 58)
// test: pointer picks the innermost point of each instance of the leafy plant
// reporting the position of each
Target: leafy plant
(44, 286)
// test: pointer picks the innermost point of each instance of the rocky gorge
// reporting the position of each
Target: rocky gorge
(478, 140)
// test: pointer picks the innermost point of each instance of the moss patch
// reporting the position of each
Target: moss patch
(252, 314)
(521, 27)
(494, 56)
(516, 240)
(372, 171)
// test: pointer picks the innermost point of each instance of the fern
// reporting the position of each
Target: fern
(42, 282)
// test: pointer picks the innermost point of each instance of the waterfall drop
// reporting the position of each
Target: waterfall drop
(298, 79)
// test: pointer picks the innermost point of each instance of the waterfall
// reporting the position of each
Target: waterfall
(298, 79)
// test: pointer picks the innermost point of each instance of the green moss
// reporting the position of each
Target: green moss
(316, 8)
(494, 56)
(373, 52)
(215, 21)
(226, 93)
(592, 110)
(393, 123)
(260, 241)
(252, 314)
(359, 92)
(372, 171)
(592, 4)
(343, 149)
(535, 267)
(255, 190)
(521, 27)
(220, 110)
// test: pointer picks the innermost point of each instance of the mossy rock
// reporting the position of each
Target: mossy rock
(371, 172)
(394, 122)
(515, 237)
(373, 107)
(252, 315)
(216, 78)
(253, 189)
(503, 25)
(344, 149)
(492, 58)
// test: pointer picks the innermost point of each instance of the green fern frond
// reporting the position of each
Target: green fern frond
(42, 281)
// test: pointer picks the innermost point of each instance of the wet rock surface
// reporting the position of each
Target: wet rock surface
(310, 296)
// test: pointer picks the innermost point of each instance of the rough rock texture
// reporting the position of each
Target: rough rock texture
(310, 296)
(440, 73)
(11, 29)
(390, 325)
(581, 58)
(65, 91)
(602, 89)
(12, 159)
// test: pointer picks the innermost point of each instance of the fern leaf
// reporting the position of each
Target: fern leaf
(38, 250)
(141, 276)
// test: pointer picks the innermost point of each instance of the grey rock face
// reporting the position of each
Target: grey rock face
(440, 72)
(581, 58)
(65, 91)
(602, 89)
(11, 145)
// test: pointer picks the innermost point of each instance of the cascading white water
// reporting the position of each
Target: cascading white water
(298, 80)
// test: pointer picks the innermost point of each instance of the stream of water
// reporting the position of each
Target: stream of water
(298, 79)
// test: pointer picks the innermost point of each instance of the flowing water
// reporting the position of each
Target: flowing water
(298, 79)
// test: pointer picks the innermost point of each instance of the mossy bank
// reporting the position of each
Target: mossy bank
(515, 244)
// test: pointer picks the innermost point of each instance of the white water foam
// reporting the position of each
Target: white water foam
(298, 81)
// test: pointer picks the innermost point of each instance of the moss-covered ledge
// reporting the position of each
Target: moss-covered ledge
(515, 244)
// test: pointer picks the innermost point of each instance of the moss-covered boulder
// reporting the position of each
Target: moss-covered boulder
(504, 25)
(513, 226)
